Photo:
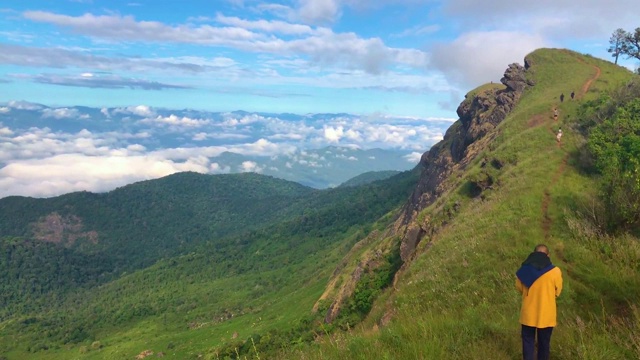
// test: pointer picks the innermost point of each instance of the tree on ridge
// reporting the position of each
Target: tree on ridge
(617, 41)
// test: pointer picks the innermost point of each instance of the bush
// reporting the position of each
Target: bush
(615, 144)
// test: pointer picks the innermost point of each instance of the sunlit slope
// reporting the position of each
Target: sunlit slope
(457, 299)
(261, 283)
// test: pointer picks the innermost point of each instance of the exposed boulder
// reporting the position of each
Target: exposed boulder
(514, 78)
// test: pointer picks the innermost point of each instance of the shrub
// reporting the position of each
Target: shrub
(615, 144)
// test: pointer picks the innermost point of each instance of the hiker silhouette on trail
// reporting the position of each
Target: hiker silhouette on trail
(572, 95)
(555, 114)
(539, 282)
(559, 134)
(562, 97)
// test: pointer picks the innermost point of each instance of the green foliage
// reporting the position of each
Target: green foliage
(612, 123)
(625, 43)
(30, 270)
(141, 222)
(616, 43)
(376, 277)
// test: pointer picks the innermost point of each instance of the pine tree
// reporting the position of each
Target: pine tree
(618, 43)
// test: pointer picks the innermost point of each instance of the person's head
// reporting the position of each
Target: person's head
(542, 248)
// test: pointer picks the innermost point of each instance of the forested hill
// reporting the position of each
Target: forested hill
(139, 223)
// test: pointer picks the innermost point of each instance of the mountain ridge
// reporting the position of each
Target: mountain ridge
(454, 293)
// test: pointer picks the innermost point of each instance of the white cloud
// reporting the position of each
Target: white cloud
(265, 25)
(261, 147)
(199, 137)
(318, 11)
(552, 18)
(177, 121)
(491, 52)
(5, 131)
(140, 110)
(4, 109)
(62, 58)
(353, 135)
(136, 148)
(38, 143)
(333, 134)
(24, 105)
(250, 166)
(323, 46)
(216, 168)
(126, 28)
(231, 119)
(60, 113)
(66, 173)
(414, 157)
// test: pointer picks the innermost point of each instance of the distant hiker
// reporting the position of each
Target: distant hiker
(559, 134)
(539, 282)
(562, 97)
(555, 114)
(572, 95)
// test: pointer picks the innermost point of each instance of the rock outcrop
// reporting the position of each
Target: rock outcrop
(480, 113)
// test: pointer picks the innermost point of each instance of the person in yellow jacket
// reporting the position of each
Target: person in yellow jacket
(540, 282)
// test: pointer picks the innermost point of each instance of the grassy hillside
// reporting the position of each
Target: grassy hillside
(457, 299)
(261, 282)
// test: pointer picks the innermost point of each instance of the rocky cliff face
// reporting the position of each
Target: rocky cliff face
(480, 113)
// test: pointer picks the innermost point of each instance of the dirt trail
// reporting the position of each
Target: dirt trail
(546, 199)
(587, 85)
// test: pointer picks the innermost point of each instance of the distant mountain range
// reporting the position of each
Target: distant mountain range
(135, 143)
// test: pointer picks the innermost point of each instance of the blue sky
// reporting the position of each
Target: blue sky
(403, 57)
(399, 68)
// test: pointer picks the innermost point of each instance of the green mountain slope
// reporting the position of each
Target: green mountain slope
(151, 218)
(222, 284)
(84, 239)
(369, 177)
(456, 297)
